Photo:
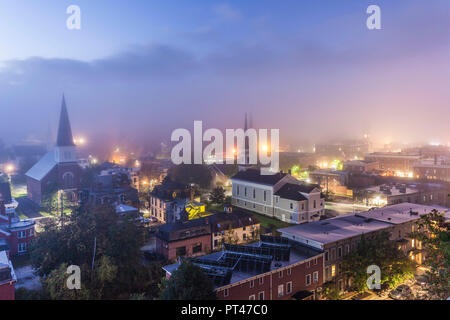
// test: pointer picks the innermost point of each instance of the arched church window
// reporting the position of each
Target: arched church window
(68, 180)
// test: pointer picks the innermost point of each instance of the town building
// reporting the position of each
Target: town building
(280, 196)
(58, 169)
(437, 169)
(271, 269)
(337, 237)
(184, 239)
(394, 193)
(187, 238)
(7, 277)
(15, 234)
(111, 187)
(161, 199)
(331, 181)
(233, 226)
(394, 163)
(361, 166)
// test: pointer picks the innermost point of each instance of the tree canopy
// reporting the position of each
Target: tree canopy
(434, 235)
(395, 266)
(115, 271)
(188, 282)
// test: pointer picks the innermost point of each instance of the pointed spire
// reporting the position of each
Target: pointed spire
(64, 131)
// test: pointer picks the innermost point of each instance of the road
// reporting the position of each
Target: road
(340, 208)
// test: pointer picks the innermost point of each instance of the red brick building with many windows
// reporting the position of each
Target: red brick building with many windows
(15, 234)
(7, 277)
(272, 269)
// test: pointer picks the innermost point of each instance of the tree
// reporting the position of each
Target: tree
(118, 267)
(191, 173)
(395, 266)
(188, 282)
(434, 235)
(217, 195)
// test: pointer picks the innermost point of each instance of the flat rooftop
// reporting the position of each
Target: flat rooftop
(297, 254)
(318, 233)
(400, 213)
(332, 230)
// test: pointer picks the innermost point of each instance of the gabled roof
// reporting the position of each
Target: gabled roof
(65, 137)
(295, 191)
(42, 167)
(255, 176)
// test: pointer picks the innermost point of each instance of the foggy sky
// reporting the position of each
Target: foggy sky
(312, 70)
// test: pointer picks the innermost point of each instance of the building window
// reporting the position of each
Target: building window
(261, 281)
(308, 280)
(265, 196)
(333, 270)
(292, 205)
(197, 248)
(316, 276)
(280, 290)
(68, 180)
(245, 191)
(280, 274)
(226, 292)
(31, 232)
(252, 283)
(289, 271)
(22, 247)
(261, 295)
(21, 234)
(314, 204)
(181, 251)
(252, 297)
(347, 249)
(289, 287)
(315, 261)
(326, 255)
(339, 252)
(308, 264)
(238, 190)
(254, 193)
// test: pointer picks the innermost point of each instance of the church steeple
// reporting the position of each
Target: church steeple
(65, 138)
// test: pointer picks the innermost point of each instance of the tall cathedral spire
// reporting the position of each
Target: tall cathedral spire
(65, 138)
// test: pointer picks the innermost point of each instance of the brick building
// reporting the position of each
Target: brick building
(15, 234)
(7, 277)
(272, 269)
(338, 236)
(200, 236)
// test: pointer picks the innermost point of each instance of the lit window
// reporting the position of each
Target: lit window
(280, 290)
(308, 279)
(333, 270)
